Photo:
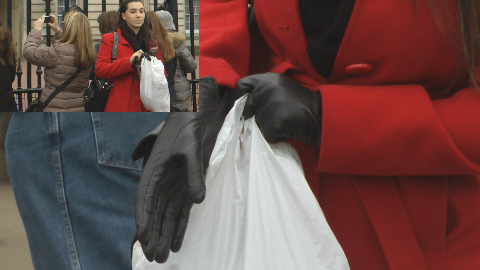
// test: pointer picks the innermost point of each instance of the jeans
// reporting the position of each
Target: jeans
(74, 184)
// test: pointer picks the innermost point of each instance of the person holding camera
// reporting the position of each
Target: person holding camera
(134, 39)
(72, 51)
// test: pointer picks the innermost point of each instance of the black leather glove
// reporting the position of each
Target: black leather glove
(283, 109)
(174, 171)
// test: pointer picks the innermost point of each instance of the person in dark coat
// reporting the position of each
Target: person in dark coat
(7, 69)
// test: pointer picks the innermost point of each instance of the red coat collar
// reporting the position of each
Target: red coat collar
(400, 41)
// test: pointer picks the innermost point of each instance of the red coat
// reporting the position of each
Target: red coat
(125, 95)
(398, 172)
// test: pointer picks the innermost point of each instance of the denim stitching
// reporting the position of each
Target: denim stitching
(101, 149)
(65, 215)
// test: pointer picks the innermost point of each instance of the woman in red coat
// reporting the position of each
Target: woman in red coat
(380, 99)
(134, 39)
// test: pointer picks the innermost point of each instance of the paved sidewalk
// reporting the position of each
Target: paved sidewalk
(14, 253)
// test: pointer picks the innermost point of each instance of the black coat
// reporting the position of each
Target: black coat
(7, 99)
(170, 68)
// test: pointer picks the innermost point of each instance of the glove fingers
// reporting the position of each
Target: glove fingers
(148, 203)
(181, 228)
(148, 193)
(166, 231)
(151, 232)
(246, 85)
(248, 110)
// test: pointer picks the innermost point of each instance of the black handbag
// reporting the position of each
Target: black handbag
(95, 96)
(37, 106)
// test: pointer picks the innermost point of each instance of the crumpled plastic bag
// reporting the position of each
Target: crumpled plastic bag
(259, 212)
(154, 86)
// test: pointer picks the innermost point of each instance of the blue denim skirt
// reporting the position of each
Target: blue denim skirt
(74, 184)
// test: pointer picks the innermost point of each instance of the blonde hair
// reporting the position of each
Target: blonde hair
(8, 52)
(77, 31)
(161, 34)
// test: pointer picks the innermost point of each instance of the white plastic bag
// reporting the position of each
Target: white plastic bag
(259, 212)
(154, 86)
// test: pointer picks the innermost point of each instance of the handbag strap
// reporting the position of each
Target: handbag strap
(60, 89)
(115, 46)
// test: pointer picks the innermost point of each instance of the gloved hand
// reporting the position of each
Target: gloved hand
(283, 109)
(174, 168)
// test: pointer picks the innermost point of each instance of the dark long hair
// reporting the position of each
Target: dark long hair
(468, 23)
(467, 30)
(8, 52)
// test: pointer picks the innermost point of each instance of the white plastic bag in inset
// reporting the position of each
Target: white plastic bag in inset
(259, 212)
(154, 86)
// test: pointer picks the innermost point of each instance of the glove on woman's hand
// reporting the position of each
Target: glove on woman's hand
(173, 175)
(283, 109)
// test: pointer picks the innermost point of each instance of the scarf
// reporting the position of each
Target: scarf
(138, 41)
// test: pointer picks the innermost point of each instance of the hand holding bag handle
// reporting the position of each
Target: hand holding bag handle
(173, 176)
(252, 185)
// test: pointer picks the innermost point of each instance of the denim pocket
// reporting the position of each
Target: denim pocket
(117, 135)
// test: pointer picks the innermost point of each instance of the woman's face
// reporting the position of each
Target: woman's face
(134, 16)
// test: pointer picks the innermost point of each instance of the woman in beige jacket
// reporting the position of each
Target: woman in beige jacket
(72, 50)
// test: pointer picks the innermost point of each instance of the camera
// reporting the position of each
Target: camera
(47, 19)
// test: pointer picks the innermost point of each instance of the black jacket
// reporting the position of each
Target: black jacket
(7, 99)
(170, 68)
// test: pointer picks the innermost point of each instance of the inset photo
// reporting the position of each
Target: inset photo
(53, 59)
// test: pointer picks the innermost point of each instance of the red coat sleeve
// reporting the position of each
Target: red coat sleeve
(399, 130)
(104, 68)
(226, 25)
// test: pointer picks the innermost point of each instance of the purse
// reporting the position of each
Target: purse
(37, 106)
(95, 96)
